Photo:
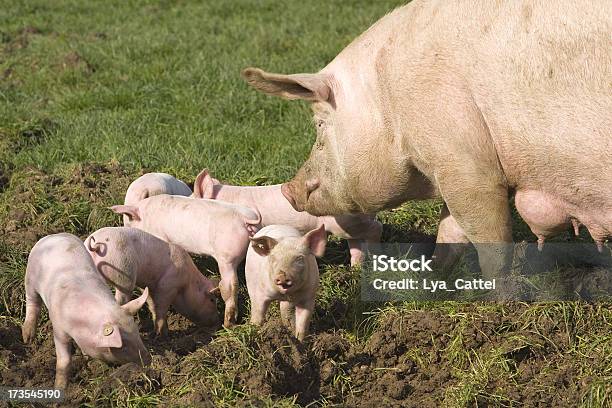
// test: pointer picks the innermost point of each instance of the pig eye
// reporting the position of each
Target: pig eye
(320, 124)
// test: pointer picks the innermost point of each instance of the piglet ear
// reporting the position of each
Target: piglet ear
(130, 210)
(110, 336)
(133, 306)
(263, 245)
(316, 241)
(203, 186)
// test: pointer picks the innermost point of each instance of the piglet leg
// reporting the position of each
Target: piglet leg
(33, 302)
(373, 235)
(229, 292)
(159, 309)
(303, 314)
(287, 310)
(63, 352)
(259, 307)
(356, 251)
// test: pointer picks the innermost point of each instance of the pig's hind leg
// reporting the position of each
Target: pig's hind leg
(63, 352)
(33, 304)
(159, 303)
(229, 291)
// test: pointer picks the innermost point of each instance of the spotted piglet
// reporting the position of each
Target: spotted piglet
(61, 274)
(281, 266)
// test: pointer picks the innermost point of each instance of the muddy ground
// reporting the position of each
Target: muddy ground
(425, 355)
(408, 360)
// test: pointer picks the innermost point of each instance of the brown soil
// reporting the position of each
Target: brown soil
(384, 370)
(91, 185)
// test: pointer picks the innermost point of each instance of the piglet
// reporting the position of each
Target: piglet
(275, 209)
(203, 227)
(281, 265)
(129, 257)
(152, 184)
(61, 274)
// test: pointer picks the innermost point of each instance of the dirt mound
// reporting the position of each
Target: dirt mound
(75, 201)
(512, 355)
(75, 61)
(18, 40)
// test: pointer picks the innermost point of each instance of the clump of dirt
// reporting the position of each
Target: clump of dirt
(412, 357)
(288, 366)
(36, 132)
(73, 201)
(75, 61)
(18, 40)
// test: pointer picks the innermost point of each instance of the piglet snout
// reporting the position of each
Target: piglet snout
(283, 281)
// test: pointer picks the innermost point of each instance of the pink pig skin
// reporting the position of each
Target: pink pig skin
(152, 184)
(129, 257)
(61, 274)
(275, 209)
(203, 227)
(281, 266)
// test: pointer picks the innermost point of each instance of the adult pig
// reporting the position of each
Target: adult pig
(203, 227)
(129, 257)
(151, 184)
(61, 274)
(281, 266)
(275, 209)
(470, 102)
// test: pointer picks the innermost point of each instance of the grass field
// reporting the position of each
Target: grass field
(94, 94)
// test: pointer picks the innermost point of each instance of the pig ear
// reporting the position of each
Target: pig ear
(131, 211)
(203, 186)
(110, 336)
(316, 241)
(310, 87)
(133, 306)
(263, 245)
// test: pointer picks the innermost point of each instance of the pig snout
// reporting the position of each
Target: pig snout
(298, 193)
(285, 284)
(287, 190)
(283, 281)
(134, 351)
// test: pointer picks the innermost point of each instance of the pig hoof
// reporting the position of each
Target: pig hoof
(60, 383)
(540, 244)
(27, 334)
(599, 246)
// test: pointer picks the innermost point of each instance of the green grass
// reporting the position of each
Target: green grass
(93, 94)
